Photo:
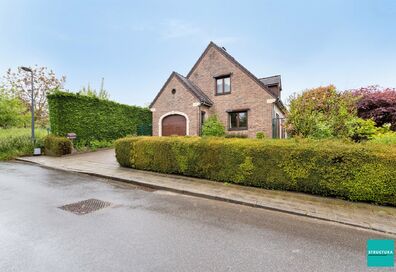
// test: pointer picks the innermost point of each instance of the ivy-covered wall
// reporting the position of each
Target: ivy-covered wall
(95, 119)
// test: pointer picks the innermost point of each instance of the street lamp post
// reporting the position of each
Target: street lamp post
(26, 69)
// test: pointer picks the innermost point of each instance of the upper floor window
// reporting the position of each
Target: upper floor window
(223, 85)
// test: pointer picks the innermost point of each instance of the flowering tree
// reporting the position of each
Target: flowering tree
(321, 112)
(45, 81)
(378, 104)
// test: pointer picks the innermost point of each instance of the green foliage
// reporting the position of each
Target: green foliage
(19, 84)
(213, 127)
(94, 119)
(353, 171)
(93, 145)
(362, 130)
(57, 146)
(17, 142)
(12, 111)
(321, 113)
(387, 138)
(260, 135)
(101, 94)
(124, 150)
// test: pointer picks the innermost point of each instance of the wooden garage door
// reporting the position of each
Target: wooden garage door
(174, 125)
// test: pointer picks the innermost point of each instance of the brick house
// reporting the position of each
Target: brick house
(218, 84)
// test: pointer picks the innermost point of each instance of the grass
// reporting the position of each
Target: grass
(16, 142)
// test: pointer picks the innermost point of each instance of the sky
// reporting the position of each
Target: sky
(135, 45)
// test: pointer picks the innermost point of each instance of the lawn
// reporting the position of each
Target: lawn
(16, 142)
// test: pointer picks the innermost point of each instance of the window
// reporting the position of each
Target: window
(238, 120)
(223, 85)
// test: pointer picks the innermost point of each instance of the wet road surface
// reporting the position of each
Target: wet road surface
(145, 230)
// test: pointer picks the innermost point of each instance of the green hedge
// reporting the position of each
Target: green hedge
(57, 146)
(362, 172)
(95, 119)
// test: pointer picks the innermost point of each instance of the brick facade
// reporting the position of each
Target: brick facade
(182, 101)
(246, 93)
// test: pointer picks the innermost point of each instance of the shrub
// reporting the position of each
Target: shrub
(321, 113)
(93, 145)
(57, 146)
(387, 138)
(124, 151)
(363, 172)
(94, 119)
(213, 127)
(378, 104)
(362, 130)
(260, 135)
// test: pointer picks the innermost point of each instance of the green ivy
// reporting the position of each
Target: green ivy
(94, 119)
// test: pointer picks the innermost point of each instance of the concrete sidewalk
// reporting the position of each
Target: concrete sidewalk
(103, 163)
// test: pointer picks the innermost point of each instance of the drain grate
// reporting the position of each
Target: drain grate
(85, 206)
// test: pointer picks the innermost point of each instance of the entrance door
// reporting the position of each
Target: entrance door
(174, 125)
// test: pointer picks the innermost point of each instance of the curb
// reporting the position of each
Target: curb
(208, 196)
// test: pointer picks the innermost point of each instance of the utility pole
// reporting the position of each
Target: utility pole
(26, 69)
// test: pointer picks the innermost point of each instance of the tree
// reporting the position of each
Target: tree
(12, 111)
(45, 81)
(102, 94)
(321, 112)
(379, 104)
(213, 127)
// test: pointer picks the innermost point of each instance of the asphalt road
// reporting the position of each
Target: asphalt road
(145, 230)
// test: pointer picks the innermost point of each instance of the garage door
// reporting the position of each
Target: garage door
(174, 125)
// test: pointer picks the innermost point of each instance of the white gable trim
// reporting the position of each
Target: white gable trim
(171, 113)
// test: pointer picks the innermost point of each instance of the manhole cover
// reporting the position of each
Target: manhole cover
(85, 206)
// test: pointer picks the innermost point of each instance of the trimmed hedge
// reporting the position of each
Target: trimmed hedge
(361, 172)
(57, 146)
(94, 119)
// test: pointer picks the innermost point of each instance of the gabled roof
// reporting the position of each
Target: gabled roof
(234, 61)
(191, 87)
(272, 80)
(203, 98)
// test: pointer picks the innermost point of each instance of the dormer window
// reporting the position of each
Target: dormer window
(223, 85)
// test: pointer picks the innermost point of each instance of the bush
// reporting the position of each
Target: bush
(57, 146)
(94, 119)
(387, 138)
(93, 145)
(260, 135)
(377, 103)
(213, 127)
(321, 113)
(363, 172)
(124, 151)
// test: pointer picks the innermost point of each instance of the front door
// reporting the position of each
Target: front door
(174, 124)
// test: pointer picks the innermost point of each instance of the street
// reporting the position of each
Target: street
(148, 230)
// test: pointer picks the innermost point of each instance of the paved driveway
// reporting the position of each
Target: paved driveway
(147, 230)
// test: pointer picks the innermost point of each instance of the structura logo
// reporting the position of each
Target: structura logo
(380, 253)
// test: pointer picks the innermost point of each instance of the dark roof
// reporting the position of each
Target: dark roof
(234, 61)
(272, 80)
(203, 98)
(192, 88)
